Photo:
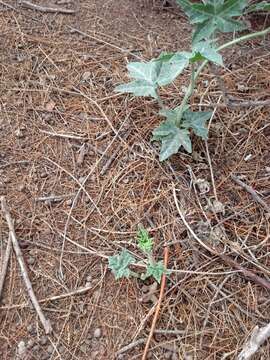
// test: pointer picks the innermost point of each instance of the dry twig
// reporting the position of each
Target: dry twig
(5, 265)
(252, 192)
(158, 306)
(29, 5)
(45, 322)
(257, 338)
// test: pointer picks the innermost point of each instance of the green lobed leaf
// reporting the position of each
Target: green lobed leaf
(170, 67)
(197, 122)
(145, 242)
(119, 264)
(147, 76)
(155, 269)
(138, 88)
(204, 51)
(172, 138)
(214, 15)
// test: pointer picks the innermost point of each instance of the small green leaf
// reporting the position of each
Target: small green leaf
(145, 242)
(156, 269)
(203, 50)
(138, 88)
(214, 15)
(197, 122)
(262, 6)
(119, 264)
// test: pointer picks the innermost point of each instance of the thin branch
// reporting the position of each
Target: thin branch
(158, 306)
(258, 337)
(5, 265)
(29, 5)
(45, 322)
(252, 192)
(130, 346)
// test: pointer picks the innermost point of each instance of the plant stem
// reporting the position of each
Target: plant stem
(188, 93)
(160, 102)
(233, 42)
(194, 77)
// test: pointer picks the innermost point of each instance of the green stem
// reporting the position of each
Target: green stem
(201, 67)
(160, 102)
(188, 93)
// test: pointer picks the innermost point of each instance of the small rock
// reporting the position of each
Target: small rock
(89, 278)
(30, 260)
(167, 355)
(30, 328)
(21, 348)
(97, 333)
(61, 349)
(217, 207)
(18, 133)
(50, 349)
(21, 187)
(86, 76)
(36, 348)
(81, 179)
(43, 340)
(203, 186)
(30, 343)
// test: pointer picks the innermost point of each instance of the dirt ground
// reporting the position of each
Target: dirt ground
(79, 174)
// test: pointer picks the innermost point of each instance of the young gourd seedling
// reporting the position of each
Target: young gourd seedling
(119, 264)
(208, 18)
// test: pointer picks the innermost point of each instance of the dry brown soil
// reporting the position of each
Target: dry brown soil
(62, 125)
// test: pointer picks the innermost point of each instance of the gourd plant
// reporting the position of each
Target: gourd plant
(209, 18)
(120, 263)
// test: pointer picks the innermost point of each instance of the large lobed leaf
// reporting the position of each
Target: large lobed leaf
(172, 138)
(148, 76)
(214, 15)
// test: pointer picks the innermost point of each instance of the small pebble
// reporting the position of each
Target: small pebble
(18, 133)
(50, 349)
(97, 333)
(30, 343)
(21, 187)
(61, 349)
(86, 76)
(30, 328)
(43, 340)
(21, 348)
(36, 348)
(89, 278)
(30, 260)
(167, 355)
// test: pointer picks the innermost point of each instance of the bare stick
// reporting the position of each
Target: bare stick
(258, 337)
(45, 322)
(53, 198)
(252, 192)
(65, 136)
(79, 291)
(29, 5)
(130, 346)
(8, 6)
(248, 274)
(5, 265)
(162, 289)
